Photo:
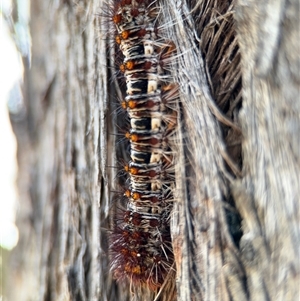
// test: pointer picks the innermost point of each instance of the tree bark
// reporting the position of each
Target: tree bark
(235, 221)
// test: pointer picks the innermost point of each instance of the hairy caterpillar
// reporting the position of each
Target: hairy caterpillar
(140, 248)
(200, 172)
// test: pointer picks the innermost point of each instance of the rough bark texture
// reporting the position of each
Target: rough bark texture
(235, 224)
(268, 195)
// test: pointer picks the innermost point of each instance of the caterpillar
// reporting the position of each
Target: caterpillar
(140, 242)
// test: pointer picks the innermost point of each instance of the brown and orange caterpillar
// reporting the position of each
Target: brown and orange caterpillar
(140, 242)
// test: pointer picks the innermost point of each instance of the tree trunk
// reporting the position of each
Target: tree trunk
(235, 221)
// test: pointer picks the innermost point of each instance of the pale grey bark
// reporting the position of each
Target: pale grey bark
(66, 148)
(62, 186)
(268, 195)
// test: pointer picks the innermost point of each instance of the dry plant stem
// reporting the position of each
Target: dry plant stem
(200, 230)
